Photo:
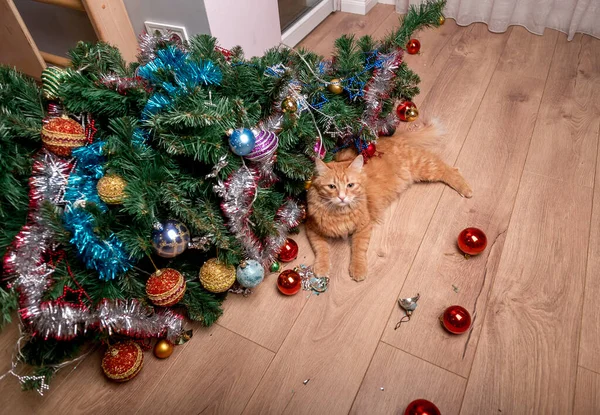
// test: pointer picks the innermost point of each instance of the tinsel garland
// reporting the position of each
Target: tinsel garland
(107, 256)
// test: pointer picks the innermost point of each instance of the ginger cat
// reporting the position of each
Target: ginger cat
(347, 196)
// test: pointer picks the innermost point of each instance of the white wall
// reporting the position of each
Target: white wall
(252, 24)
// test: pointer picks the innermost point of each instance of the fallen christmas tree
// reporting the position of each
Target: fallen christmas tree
(191, 161)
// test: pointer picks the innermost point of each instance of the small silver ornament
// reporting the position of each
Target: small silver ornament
(408, 305)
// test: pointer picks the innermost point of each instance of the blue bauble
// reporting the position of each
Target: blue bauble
(242, 141)
(170, 238)
(250, 273)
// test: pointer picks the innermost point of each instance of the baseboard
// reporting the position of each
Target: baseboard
(358, 6)
(387, 1)
(292, 36)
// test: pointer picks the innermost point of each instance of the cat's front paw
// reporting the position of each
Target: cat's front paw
(358, 271)
(321, 268)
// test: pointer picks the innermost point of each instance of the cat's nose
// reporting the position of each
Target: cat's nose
(342, 198)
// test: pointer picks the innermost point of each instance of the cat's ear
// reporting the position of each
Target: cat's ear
(357, 164)
(320, 166)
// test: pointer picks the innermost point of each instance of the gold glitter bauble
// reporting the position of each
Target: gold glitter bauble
(163, 349)
(111, 189)
(217, 277)
(307, 184)
(412, 113)
(335, 86)
(123, 361)
(289, 105)
(441, 20)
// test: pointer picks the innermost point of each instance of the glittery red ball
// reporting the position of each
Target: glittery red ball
(421, 407)
(123, 361)
(289, 251)
(289, 282)
(472, 241)
(401, 109)
(371, 150)
(165, 287)
(456, 319)
(62, 134)
(413, 46)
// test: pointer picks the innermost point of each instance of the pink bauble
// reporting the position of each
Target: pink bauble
(264, 147)
(320, 149)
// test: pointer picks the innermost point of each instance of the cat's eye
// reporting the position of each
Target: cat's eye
(332, 186)
(350, 184)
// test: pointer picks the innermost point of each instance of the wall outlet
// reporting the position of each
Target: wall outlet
(163, 28)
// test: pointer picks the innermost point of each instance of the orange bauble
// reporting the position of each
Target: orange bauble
(61, 135)
(123, 361)
(165, 287)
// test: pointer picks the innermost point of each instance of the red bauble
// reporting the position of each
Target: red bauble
(165, 287)
(413, 46)
(289, 282)
(60, 135)
(422, 407)
(456, 319)
(472, 241)
(289, 251)
(123, 361)
(370, 150)
(401, 110)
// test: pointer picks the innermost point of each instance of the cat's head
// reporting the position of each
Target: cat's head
(340, 183)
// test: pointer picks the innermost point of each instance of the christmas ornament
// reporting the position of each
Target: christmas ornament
(289, 282)
(275, 266)
(165, 287)
(413, 46)
(264, 147)
(310, 281)
(52, 78)
(289, 251)
(387, 132)
(408, 305)
(62, 134)
(289, 104)
(217, 277)
(472, 241)
(111, 189)
(250, 273)
(407, 111)
(170, 239)
(335, 86)
(319, 148)
(441, 20)
(122, 361)
(307, 184)
(241, 141)
(421, 407)
(370, 150)
(456, 319)
(163, 349)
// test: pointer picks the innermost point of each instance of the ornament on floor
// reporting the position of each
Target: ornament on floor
(407, 111)
(289, 251)
(60, 135)
(413, 46)
(265, 146)
(387, 132)
(52, 78)
(422, 407)
(370, 150)
(250, 273)
(216, 276)
(289, 104)
(170, 238)
(310, 281)
(408, 305)
(472, 241)
(122, 361)
(441, 20)
(275, 266)
(111, 189)
(335, 86)
(456, 319)
(241, 141)
(163, 349)
(165, 287)
(289, 282)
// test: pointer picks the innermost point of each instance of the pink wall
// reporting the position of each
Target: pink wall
(252, 24)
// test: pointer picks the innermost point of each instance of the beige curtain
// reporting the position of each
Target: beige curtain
(568, 16)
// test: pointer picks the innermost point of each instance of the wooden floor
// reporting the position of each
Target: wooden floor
(522, 115)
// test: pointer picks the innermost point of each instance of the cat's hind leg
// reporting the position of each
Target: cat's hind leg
(428, 167)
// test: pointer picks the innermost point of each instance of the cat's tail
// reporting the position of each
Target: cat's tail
(428, 136)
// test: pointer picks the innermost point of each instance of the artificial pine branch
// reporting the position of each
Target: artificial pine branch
(426, 14)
